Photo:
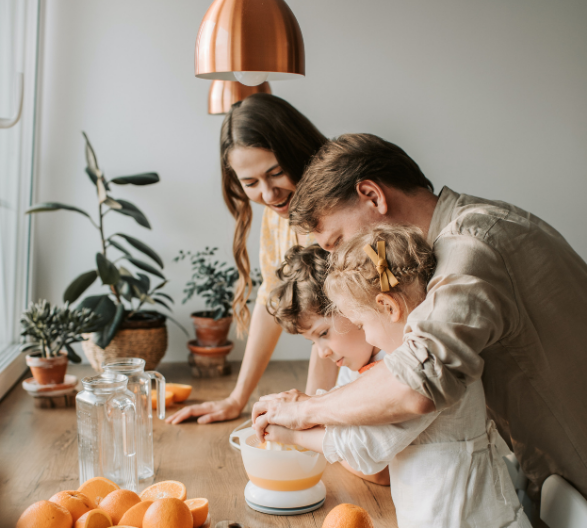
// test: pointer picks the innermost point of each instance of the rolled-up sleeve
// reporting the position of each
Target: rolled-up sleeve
(470, 305)
(369, 449)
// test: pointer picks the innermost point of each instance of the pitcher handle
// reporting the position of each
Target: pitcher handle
(160, 388)
(235, 434)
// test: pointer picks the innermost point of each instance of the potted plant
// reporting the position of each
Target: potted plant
(214, 281)
(51, 332)
(126, 328)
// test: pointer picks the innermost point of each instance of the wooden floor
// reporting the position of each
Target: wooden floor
(38, 455)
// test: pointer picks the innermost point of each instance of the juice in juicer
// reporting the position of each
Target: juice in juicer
(281, 482)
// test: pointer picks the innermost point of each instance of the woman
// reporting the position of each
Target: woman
(265, 144)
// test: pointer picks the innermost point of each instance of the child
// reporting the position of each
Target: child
(299, 305)
(446, 468)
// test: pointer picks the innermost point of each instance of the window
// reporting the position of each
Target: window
(18, 56)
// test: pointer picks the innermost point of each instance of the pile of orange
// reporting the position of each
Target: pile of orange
(174, 393)
(348, 516)
(100, 503)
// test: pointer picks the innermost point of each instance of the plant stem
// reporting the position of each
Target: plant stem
(103, 240)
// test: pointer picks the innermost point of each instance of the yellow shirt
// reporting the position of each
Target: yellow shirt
(276, 239)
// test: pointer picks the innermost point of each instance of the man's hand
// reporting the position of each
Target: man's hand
(208, 412)
(286, 409)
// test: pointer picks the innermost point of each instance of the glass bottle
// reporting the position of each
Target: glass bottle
(139, 383)
(106, 416)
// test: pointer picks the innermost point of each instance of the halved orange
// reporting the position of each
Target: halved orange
(199, 510)
(96, 518)
(97, 488)
(134, 516)
(168, 399)
(168, 489)
(180, 392)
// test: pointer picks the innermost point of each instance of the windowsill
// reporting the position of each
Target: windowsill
(12, 367)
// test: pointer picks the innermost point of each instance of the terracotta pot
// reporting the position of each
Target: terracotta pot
(215, 351)
(48, 371)
(211, 333)
(144, 336)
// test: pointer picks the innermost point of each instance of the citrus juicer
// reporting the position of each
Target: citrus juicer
(280, 482)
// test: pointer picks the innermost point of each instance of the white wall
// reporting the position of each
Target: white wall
(488, 97)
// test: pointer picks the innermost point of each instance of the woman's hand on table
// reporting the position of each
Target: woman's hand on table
(208, 412)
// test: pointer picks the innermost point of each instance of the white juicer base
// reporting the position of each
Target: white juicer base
(285, 502)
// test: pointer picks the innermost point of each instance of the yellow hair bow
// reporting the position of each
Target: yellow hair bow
(386, 278)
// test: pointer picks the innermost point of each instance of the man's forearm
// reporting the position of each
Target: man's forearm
(377, 397)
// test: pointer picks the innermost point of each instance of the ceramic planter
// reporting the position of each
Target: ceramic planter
(211, 333)
(48, 371)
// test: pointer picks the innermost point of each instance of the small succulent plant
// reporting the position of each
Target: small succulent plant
(212, 280)
(52, 329)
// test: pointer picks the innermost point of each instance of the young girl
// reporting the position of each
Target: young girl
(446, 468)
(299, 305)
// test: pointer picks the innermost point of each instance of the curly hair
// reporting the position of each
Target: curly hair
(301, 292)
(354, 277)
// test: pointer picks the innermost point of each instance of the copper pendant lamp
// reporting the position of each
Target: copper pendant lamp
(223, 94)
(250, 41)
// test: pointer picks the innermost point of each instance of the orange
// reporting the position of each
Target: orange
(168, 399)
(348, 516)
(134, 516)
(96, 518)
(97, 488)
(75, 502)
(165, 490)
(117, 503)
(199, 510)
(46, 514)
(180, 392)
(168, 513)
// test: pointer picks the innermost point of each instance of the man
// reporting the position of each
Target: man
(507, 303)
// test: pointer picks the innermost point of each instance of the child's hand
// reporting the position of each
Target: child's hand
(276, 433)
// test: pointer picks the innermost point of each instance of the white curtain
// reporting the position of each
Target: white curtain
(18, 38)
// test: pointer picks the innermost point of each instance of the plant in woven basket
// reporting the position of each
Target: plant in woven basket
(52, 329)
(128, 291)
(212, 280)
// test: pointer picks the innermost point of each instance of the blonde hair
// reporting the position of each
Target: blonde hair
(301, 292)
(354, 277)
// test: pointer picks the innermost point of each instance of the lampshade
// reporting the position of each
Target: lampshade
(250, 41)
(223, 94)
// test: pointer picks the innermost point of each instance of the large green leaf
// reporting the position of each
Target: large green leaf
(119, 247)
(143, 248)
(102, 306)
(159, 301)
(71, 355)
(54, 206)
(130, 209)
(107, 270)
(146, 178)
(110, 331)
(145, 267)
(79, 286)
(168, 297)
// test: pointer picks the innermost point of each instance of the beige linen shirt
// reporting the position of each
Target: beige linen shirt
(507, 304)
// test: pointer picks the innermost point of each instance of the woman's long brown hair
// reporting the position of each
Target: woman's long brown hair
(268, 122)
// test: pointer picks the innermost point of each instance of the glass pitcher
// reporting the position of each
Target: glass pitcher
(106, 416)
(139, 383)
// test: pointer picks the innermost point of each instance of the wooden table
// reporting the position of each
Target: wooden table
(38, 454)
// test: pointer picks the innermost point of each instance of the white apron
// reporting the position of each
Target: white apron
(455, 485)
